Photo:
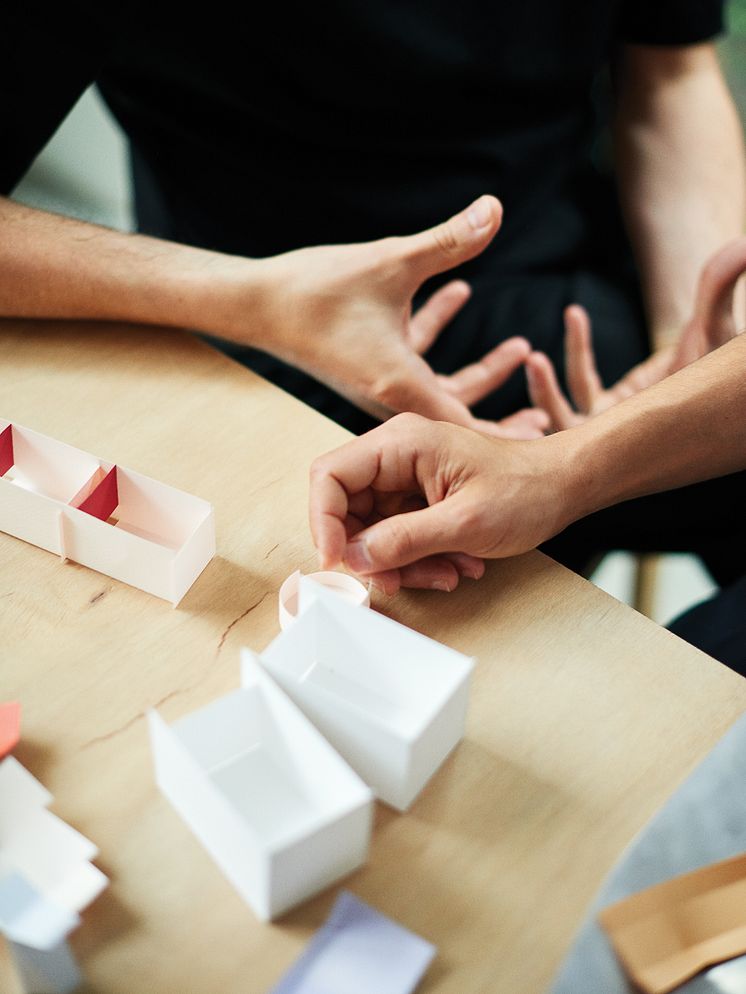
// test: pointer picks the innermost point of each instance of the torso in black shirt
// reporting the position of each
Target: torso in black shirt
(262, 129)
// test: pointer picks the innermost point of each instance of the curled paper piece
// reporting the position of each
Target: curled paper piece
(668, 933)
(345, 586)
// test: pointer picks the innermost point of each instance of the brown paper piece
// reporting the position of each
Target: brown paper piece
(666, 934)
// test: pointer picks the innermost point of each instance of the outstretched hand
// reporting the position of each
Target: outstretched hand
(344, 315)
(711, 325)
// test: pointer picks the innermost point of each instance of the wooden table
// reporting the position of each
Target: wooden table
(584, 715)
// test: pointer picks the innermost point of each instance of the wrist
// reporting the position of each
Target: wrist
(580, 476)
(222, 295)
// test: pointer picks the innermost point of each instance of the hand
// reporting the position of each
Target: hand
(344, 315)
(711, 325)
(418, 503)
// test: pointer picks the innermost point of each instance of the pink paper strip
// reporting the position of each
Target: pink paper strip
(10, 727)
(102, 502)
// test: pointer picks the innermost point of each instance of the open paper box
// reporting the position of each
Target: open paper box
(391, 701)
(110, 519)
(274, 805)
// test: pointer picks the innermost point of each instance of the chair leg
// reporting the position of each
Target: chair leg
(647, 569)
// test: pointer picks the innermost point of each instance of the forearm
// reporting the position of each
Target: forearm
(680, 161)
(689, 427)
(56, 267)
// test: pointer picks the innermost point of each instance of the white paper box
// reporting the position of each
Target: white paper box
(278, 810)
(151, 536)
(391, 701)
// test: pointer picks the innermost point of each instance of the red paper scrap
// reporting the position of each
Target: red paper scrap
(7, 458)
(102, 502)
(10, 727)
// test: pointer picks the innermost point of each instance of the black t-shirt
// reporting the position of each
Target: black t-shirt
(260, 128)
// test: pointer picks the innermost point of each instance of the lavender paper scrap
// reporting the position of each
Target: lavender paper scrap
(359, 950)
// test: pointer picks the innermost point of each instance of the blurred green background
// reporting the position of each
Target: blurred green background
(733, 52)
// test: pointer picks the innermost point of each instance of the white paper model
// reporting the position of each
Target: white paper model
(391, 701)
(110, 519)
(278, 810)
(46, 879)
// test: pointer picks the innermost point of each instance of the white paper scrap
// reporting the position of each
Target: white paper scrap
(28, 918)
(358, 949)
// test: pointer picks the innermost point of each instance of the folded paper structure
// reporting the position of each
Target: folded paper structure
(278, 810)
(110, 519)
(46, 879)
(391, 701)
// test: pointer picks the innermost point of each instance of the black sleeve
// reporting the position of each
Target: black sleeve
(670, 22)
(50, 53)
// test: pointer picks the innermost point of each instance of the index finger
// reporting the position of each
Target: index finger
(377, 459)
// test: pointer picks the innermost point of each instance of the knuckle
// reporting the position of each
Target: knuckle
(319, 467)
(387, 390)
(407, 422)
(446, 239)
(400, 542)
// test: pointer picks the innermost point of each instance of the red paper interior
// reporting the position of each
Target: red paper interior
(6, 450)
(10, 727)
(103, 500)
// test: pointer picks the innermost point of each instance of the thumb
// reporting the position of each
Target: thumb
(460, 238)
(403, 539)
(718, 281)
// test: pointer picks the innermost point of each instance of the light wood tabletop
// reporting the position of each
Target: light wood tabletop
(584, 715)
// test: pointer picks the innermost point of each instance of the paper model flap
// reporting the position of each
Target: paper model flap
(104, 498)
(10, 727)
(6, 449)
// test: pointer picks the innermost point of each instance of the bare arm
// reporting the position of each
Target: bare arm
(680, 159)
(689, 427)
(341, 313)
(57, 267)
(489, 498)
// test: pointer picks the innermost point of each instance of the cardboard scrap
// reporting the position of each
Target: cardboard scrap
(666, 934)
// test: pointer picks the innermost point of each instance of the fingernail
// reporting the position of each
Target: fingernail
(480, 214)
(442, 585)
(358, 558)
(471, 572)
